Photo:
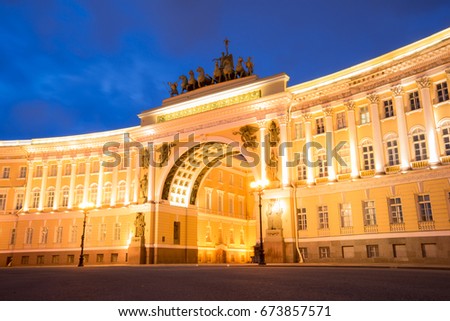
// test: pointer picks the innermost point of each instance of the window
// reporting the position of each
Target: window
(70, 259)
(323, 217)
(242, 239)
(102, 232)
(231, 236)
(12, 239)
(19, 201)
(368, 157)
(176, 232)
(40, 259)
(50, 197)
(117, 230)
(395, 209)
(445, 127)
(220, 179)
(414, 102)
(38, 171)
(81, 168)
(324, 252)
(67, 169)
(95, 167)
(231, 179)
(322, 164)
(114, 257)
(208, 200)
(55, 259)
(388, 108)
(220, 201)
(298, 134)
(364, 115)
(346, 215)
(344, 160)
(419, 145)
(392, 151)
(2, 202)
(25, 259)
(429, 250)
(301, 217)
(23, 172)
(59, 234)
(44, 235)
(100, 258)
(425, 213)
(88, 233)
(35, 198)
(230, 203)
(6, 172)
(65, 197)
(93, 193)
(340, 120)
(29, 235)
(304, 252)
(73, 234)
(369, 213)
(372, 251)
(320, 127)
(121, 191)
(79, 195)
(442, 91)
(241, 206)
(399, 250)
(107, 190)
(53, 170)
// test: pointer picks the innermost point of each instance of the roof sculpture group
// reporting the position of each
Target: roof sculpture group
(224, 70)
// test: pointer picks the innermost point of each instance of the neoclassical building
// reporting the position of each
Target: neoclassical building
(357, 165)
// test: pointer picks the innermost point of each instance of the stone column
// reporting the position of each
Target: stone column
(402, 128)
(285, 173)
(115, 174)
(73, 173)
(353, 139)
(376, 133)
(100, 185)
(262, 148)
(128, 181)
(151, 181)
(58, 186)
(87, 173)
(43, 186)
(308, 157)
(328, 111)
(137, 172)
(430, 122)
(26, 204)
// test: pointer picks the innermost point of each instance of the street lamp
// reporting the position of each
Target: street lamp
(259, 186)
(85, 207)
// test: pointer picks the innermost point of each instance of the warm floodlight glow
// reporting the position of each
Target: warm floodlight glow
(86, 205)
(259, 184)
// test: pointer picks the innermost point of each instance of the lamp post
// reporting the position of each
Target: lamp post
(259, 186)
(85, 207)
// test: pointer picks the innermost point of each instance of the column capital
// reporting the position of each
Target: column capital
(397, 90)
(327, 110)
(261, 123)
(307, 116)
(423, 82)
(373, 98)
(283, 119)
(350, 104)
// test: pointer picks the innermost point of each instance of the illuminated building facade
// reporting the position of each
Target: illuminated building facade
(358, 165)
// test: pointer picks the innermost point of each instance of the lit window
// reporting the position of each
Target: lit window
(65, 197)
(340, 120)
(372, 251)
(388, 108)
(346, 215)
(59, 234)
(107, 191)
(301, 217)
(117, 230)
(425, 212)
(344, 159)
(419, 145)
(322, 164)
(29, 235)
(414, 102)
(392, 151)
(369, 213)
(395, 209)
(323, 217)
(368, 156)
(19, 201)
(6, 172)
(324, 252)
(320, 127)
(35, 198)
(50, 196)
(2, 202)
(445, 127)
(364, 115)
(102, 232)
(121, 191)
(442, 91)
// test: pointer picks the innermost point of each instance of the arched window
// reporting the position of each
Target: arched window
(343, 161)
(368, 160)
(35, 198)
(445, 129)
(419, 144)
(93, 193)
(121, 190)
(65, 196)
(107, 190)
(392, 150)
(79, 195)
(50, 197)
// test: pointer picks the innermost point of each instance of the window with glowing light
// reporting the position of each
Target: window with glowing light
(2, 202)
(445, 129)
(388, 108)
(395, 210)
(322, 164)
(419, 145)
(364, 115)
(302, 219)
(323, 217)
(344, 153)
(6, 172)
(414, 101)
(65, 196)
(424, 204)
(50, 197)
(35, 198)
(370, 217)
(392, 150)
(367, 155)
(346, 215)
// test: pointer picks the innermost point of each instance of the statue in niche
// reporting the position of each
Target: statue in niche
(145, 158)
(274, 134)
(139, 223)
(272, 167)
(144, 186)
(164, 152)
(274, 212)
(248, 136)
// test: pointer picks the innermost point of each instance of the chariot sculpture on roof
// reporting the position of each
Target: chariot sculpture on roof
(224, 70)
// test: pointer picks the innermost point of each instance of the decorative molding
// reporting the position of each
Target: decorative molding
(327, 110)
(307, 116)
(424, 82)
(350, 104)
(373, 98)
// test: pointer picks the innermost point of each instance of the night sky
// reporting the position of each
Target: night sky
(74, 67)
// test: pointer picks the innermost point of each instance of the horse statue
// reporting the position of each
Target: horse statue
(192, 82)
(173, 89)
(217, 75)
(184, 83)
(228, 70)
(249, 65)
(203, 80)
(240, 72)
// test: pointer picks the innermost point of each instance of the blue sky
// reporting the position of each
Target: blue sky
(73, 67)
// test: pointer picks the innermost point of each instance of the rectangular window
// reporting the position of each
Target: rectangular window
(12, 239)
(100, 258)
(70, 259)
(320, 127)
(364, 115)
(208, 200)
(340, 120)
(102, 232)
(114, 257)
(82, 168)
(301, 217)
(55, 259)
(368, 157)
(23, 172)
(346, 215)
(19, 201)
(420, 146)
(40, 259)
(59, 234)
(392, 152)
(2, 202)
(301, 168)
(241, 206)
(35, 199)
(395, 209)
(73, 234)
(442, 91)
(231, 179)
(176, 232)
(117, 230)
(95, 167)
(369, 213)
(6, 172)
(29, 236)
(414, 102)
(25, 259)
(53, 170)
(429, 250)
(324, 252)
(425, 212)
(298, 134)
(323, 217)
(220, 201)
(50, 197)
(38, 171)
(230, 203)
(399, 250)
(44, 235)
(304, 252)
(372, 251)
(67, 169)
(388, 108)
